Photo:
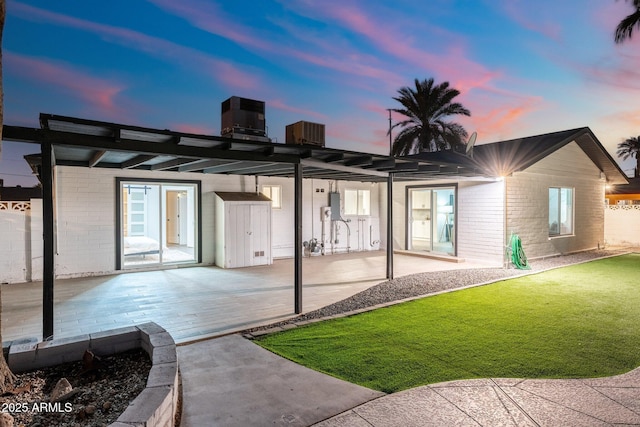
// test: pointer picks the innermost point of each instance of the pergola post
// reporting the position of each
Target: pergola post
(297, 238)
(48, 237)
(390, 226)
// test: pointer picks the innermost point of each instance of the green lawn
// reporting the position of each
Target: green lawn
(578, 321)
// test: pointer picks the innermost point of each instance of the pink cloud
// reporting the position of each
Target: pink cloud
(358, 135)
(464, 73)
(210, 18)
(502, 121)
(99, 93)
(520, 12)
(281, 105)
(160, 48)
(191, 128)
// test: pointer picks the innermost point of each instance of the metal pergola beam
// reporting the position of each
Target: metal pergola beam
(297, 239)
(137, 161)
(48, 237)
(171, 164)
(342, 168)
(97, 157)
(390, 226)
(69, 139)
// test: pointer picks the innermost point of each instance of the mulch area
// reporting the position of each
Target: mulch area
(101, 391)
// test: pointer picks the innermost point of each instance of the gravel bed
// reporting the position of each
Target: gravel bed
(416, 285)
(100, 396)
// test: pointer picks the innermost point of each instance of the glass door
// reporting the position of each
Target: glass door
(158, 223)
(431, 219)
(420, 219)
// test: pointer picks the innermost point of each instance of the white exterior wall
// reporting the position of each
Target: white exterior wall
(86, 213)
(21, 243)
(479, 217)
(15, 249)
(481, 221)
(622, 225)
(528, 203)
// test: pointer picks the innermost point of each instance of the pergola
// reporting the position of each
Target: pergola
(68, 141)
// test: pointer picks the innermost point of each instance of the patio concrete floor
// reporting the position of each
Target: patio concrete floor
(200, 302)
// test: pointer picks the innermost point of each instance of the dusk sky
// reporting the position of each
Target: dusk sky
(522, 67)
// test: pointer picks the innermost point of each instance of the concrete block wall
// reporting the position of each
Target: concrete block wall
(480, 217)
(481, 221)
(17, 249)
(156, 405)
(622, 225)
(86, 213)
(528, 203)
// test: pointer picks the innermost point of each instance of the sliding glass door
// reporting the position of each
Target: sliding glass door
(431, 219)
(158, 223)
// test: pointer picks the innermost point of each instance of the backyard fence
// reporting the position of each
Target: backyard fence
(622, 225)
(21, 241)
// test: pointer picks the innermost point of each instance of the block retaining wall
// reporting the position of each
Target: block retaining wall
(158, 402)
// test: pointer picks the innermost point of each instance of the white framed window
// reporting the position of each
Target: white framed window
(274, 192)
(357, 202)
(560, 211)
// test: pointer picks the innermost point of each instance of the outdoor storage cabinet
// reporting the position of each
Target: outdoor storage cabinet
(243, 230)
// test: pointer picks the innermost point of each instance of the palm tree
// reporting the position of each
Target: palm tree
(631, 148)
(6, 377)
(426, 108)
(625, 27)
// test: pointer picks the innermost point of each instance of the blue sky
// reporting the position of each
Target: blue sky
(522, 67)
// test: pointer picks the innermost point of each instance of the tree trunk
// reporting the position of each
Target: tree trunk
(6, 376)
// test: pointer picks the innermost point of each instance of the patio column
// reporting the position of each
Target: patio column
(48, 236)
(297, 275)
(390, 226)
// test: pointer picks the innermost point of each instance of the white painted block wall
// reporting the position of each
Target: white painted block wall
(622, 225)
(481, 221)
(14, 247)
(86, 204)
(528, 203)
(85, 200)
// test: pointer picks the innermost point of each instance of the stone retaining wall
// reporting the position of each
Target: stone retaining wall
(158, 402)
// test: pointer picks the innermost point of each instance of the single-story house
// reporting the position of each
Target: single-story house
(119, 197)
(549, 189)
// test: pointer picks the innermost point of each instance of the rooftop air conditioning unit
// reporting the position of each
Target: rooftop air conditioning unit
(305, 133)
(243, 118)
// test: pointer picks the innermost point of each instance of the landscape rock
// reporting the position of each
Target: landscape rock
(61, 390)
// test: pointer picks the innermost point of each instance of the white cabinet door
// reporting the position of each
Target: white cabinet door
(238, 245)
(260, 250)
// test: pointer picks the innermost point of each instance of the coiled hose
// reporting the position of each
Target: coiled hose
(518, 258)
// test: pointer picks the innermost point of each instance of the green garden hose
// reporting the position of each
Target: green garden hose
(518, 258)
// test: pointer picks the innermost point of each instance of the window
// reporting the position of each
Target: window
(274, 192)
(560, 211)
(357, 202)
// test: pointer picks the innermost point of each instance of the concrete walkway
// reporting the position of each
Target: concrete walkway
(505, 402)
(231, 381)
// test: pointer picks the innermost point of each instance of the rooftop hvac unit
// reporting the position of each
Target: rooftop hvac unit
(243, 118)
(305, 133)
